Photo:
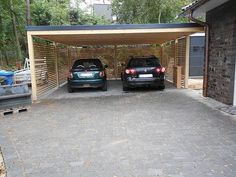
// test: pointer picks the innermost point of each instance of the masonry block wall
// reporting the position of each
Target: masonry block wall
(222, 52)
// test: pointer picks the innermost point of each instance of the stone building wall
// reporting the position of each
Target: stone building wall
(222, 52)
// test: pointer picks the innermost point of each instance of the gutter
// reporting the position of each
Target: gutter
(206, 63)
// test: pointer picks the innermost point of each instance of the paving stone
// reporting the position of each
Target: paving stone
(137, 134)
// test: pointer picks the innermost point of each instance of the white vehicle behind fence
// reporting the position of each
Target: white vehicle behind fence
(24, 75)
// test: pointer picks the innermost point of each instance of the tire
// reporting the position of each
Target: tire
(69, 89)
(125, 88)
(162, 87)
(104, 87)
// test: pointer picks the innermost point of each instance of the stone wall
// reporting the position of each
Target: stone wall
(222, 52)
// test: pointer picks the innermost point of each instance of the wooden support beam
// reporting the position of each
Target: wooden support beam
(119, 31)
(56, 64)
(176, 53)
(69, 57)
(187, 61)
(115, 62)
(177, 76)
(32, 67)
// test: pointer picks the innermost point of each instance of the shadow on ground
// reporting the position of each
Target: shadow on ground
(114, 89)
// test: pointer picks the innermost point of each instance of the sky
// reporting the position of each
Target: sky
(88, 4)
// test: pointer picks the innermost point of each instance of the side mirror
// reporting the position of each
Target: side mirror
(105, 66)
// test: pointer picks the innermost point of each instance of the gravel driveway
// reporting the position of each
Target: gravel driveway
(143, 133)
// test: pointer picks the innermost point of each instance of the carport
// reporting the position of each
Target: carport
(52, 49)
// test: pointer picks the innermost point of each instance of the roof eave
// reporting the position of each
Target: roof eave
(190, 8)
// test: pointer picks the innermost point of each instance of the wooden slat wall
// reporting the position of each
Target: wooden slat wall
(181, 57)
(113, 58)
(124, 52)
(168, 59)
(53, 61)
(73, 55)
(105, 54)
(45, 67)
(63, 62)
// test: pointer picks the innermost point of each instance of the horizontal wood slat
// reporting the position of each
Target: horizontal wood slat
(45, 67)
(181, 58)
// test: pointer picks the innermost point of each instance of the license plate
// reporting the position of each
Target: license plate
(86, 74)
(145, 75)
(86, 85)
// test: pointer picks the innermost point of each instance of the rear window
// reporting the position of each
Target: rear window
(144, 62)
(91, 64)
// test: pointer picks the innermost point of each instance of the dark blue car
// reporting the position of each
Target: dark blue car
(87, 73)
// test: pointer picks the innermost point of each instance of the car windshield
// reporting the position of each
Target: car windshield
(144, 62)
(88, 64)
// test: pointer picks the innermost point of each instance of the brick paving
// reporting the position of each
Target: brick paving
(136, 134)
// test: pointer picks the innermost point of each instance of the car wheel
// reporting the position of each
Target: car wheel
(162, 87)
(70, 90)
(125, 88)
(104, 87)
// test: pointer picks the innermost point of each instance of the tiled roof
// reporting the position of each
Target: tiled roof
(191, 5)
(195, 4)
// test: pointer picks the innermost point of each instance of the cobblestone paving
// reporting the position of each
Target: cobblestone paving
(143, 134)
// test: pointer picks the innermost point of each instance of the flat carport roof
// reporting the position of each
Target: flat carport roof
(130, 34)
(114, 34)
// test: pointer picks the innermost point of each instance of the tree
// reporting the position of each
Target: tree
(147, 11)
(16, 14)
(28, 14)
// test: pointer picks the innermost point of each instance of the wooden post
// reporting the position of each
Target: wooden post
(115, 62)
(176, 53)
(56, 64)
(177, 76)
(69, 57)
(187, 62)
(32, 67)
(161, 54)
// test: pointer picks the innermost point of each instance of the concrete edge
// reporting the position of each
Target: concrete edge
(214, 104)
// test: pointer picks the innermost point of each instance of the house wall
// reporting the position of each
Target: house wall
(222, 52)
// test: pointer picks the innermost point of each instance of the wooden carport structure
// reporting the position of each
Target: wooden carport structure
(49, 61)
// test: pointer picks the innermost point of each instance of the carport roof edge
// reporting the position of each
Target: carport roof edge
(112, 27)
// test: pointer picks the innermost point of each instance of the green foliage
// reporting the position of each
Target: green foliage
(59, 12)
(43, 12)
(40, 13)
(78, 17)
(148, 11)
(7, 35)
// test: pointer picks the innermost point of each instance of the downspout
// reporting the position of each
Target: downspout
(206, 63)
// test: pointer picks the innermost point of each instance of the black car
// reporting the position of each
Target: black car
(142, 72)
(87, 73)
